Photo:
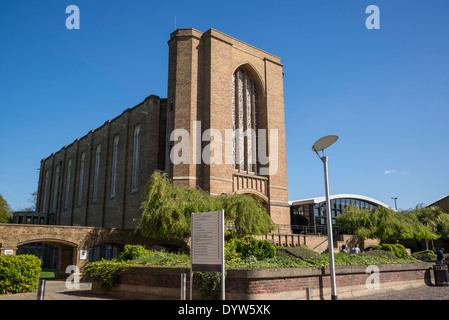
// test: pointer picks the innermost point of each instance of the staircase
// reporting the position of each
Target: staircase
(318, 243)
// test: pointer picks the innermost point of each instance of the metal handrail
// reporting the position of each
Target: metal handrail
(303, 229)
(296, 229)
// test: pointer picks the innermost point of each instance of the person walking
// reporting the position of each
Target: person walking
(440, 256)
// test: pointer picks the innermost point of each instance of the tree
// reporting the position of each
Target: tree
(247, 213)
(167, 209)
(33, 200)
(384, 223)
(5, 211)
(360, 222)
(434, 219)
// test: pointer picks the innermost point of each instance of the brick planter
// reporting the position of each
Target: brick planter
(273, 283)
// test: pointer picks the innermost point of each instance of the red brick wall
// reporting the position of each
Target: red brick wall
(281, 283)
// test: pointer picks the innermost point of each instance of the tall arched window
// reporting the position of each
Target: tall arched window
(245, 122)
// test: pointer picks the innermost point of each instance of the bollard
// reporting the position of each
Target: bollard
(309, 296)
(183, 286)
(41, 290)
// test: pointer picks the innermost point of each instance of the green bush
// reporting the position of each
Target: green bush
(165, 259)
(265, 249)
(425, 255)
(231, 254)
(105, 272)
(209, 285)
(342, 259)
(276, 262)
(397, 249)
(132, 252)
(236, 249)
(19, 273)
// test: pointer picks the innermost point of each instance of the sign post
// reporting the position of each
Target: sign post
(207, 245)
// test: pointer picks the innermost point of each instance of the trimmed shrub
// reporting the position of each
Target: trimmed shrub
(236, 249)
(426, 255)
(19, 273)
(132, 252)
(397, 249)
(165, 259)
(265, 249)
(231, 254)
(105, 272)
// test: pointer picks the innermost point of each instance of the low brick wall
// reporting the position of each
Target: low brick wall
(273, 283)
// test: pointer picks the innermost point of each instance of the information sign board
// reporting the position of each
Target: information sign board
(207, 241)
(207, 245)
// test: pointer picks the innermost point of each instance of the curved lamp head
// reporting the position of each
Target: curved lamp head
(324, 143)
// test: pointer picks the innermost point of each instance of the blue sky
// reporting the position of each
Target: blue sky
(384, 92)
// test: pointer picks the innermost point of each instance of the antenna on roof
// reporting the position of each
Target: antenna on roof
(175, 22)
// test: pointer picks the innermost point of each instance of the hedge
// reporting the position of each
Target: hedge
(397, 249)
(105, 272)
(19, 273)
(237, 249)
(132, 252)
(426, 255)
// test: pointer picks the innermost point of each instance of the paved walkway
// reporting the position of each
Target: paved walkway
(56, 290)
(420, 293)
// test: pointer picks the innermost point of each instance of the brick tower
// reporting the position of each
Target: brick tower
(221, 87)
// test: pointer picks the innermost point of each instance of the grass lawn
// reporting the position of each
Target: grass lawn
(47, 274)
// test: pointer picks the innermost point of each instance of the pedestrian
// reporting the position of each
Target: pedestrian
(343, 249)
(355, 249)
(440, 256)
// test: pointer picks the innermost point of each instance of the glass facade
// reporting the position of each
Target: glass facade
(314, 214)
(337, 207)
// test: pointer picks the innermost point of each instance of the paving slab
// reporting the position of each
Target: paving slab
(57, 290)
(420, 293)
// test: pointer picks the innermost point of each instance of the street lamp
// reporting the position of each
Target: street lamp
(395, 206)
(320, 145)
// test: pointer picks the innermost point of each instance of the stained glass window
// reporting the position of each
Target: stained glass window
(244, 121)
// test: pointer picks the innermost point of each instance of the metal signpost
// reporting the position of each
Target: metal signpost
(207, 246)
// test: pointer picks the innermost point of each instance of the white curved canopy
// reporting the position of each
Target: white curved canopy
(340, 196)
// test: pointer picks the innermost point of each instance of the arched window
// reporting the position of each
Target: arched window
(245, 121)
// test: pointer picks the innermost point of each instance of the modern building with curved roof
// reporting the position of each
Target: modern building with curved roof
(309, 215)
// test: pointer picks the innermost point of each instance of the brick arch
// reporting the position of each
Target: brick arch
(255, 75)
(254, 193)
(70, 240)
(52, 241)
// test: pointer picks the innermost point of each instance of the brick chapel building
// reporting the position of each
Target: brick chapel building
(218, 87)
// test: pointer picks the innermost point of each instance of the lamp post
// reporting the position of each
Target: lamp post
(395, 206)
(320, 145)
